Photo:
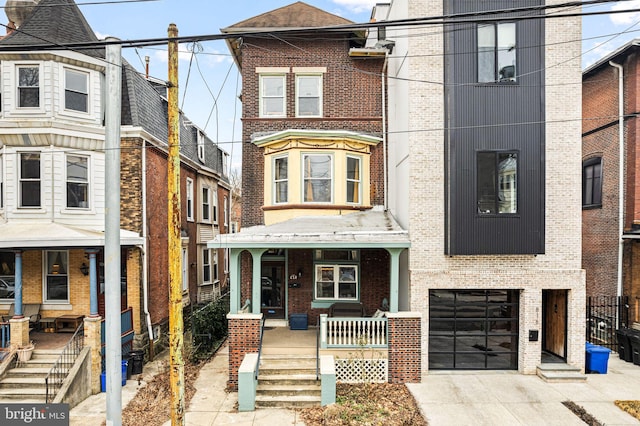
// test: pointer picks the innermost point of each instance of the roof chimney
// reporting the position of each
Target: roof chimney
(18, 10)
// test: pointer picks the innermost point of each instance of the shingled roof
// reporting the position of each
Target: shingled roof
(54, 22)
(296, 15)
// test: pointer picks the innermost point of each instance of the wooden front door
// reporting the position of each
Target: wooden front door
(554, 320)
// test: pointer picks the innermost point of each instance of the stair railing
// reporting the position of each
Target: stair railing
(318, 352)
(264, 320)
(60, 369)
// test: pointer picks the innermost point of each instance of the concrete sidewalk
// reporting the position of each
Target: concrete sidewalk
(509, 398)
(446, 398)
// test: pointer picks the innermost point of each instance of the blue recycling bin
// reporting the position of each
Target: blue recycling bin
(103, 377)
(597, 359)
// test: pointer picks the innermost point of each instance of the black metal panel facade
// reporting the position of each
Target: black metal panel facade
(501, 117)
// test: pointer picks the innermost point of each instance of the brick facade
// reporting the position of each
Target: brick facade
(405, 333)
(243, 338)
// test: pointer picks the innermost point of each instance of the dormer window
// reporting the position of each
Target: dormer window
(200, 146)
(76, 90)
(29, 86)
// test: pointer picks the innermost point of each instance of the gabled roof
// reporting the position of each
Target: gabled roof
(57, 22)
(296, 15)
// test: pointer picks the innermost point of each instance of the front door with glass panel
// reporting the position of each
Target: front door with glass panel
(272, 294)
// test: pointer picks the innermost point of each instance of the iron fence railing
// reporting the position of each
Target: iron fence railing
(60, 370)
(606, 314)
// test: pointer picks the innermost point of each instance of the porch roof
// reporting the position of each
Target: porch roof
(31, 235)
(375, 228)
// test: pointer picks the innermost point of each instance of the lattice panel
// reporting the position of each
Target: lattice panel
(361, 370)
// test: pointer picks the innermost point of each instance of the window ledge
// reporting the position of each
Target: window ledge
(311, 206)
(56, 306)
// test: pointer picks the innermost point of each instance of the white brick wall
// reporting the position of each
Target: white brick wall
(430, 268)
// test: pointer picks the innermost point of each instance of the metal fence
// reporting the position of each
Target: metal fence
(605, 314)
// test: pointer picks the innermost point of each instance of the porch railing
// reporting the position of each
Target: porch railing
(337, 332)
(60, 370)
(126, 334)
(5, 335)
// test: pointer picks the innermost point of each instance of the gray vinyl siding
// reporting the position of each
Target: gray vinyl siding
(494, 116)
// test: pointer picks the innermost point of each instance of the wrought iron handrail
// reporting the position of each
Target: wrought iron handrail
(60, 370)
(264, 320)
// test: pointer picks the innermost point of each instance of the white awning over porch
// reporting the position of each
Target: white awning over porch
(368, 229)
(51, 234)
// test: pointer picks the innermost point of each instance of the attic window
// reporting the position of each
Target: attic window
(201, 146)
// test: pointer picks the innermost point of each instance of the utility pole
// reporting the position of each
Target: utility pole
(112, 295)
(176, 373)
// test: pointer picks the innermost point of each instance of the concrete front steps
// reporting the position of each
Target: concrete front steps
(560, 373)
(25, 382)
(288, 381)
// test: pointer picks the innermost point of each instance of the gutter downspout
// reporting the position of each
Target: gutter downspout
(620, 172)
(384, 130)
(145, 267)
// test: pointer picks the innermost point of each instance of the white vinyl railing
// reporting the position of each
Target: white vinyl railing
(341, 332)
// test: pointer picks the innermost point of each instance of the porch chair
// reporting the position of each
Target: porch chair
(29, 310)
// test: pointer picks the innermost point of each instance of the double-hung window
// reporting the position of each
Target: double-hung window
(214, 264)
(336, 274)
(354, 178)
(214, 204)
(308, 95)
(497, 52)
(281, 179)
(1, 184)
(317, 182)
(497, 182)
(206, 266)
(57, 279)
(76, 90)
(30, 184)
(189, 199)
(592, 182)
(28, 86)
(272, 95)
(226, 211)
(206, 204)
(77, 181)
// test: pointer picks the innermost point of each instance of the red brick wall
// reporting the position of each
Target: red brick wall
(404, 350)
(352, 100)
(244, 338)
(600, 127)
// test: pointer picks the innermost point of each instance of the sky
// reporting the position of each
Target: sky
(209, 81)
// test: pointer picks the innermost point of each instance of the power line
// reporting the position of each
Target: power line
(87, 3)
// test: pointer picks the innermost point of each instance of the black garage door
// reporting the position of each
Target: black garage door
(473, 329)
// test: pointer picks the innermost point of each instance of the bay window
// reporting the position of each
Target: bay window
(281, 180)
(77, 181)
(29, 86)
(317, 185)
(76, 90)
(353, 180)
(29, 180)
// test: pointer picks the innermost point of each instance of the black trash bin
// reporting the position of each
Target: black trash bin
(137, 360)
(634, 338)
(127, 358)
(624, 344)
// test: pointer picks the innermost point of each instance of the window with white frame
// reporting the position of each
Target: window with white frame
(200, 146)
(190, 199)
(309, 95)
(336, 274)
(354, 178)
(226, 211)
(214, 203)
(281, 179)
(206, 204)
(317, 182)
(28, 86)
(272, 95)
(30, 183)
(185, 269)
(76, 90)
(214, 264)
(57, 278)
(206, 266)
(77, 181)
